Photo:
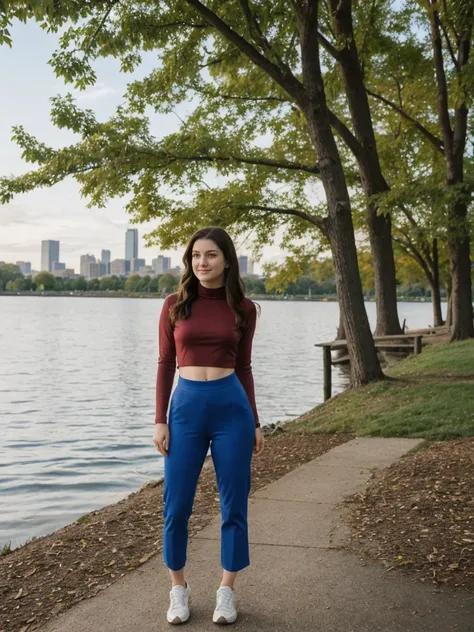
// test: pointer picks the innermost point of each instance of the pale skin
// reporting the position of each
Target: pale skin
(209, 266)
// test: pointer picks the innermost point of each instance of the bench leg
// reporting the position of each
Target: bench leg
(327, 372)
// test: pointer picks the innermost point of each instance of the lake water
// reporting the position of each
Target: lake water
(77, 379)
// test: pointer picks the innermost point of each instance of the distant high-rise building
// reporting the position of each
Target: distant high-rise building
(243, 265)
(57, 267)
(67, 272)
(49, 253)
(250, 268)
(146, 271)
(25, 267)
(94, 270)
(131, 244)
(117, 267)
(105, 259)
(85, 261)
(161, 264)
(136, 264)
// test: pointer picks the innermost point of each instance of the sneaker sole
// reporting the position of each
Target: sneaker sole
(178, 620)
(224, 621)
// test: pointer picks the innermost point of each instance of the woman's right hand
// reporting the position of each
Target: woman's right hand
(161, 438)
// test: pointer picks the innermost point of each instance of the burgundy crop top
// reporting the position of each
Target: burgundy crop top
(208, 337)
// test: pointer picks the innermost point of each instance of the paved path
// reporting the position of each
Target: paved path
(300, 579)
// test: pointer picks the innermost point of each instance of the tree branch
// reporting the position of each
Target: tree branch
(450, 22)
(436, 142)
(100, 26)
(261, 162)
(313, 219)
(450, 47)
(331, 49)
(285, 79)
(346, 135)
(256, 32)
(218, 95)
(442, 86)
(413, 252)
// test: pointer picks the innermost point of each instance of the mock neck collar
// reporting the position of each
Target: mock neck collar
(211, 292)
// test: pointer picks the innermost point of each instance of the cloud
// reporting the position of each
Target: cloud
(98, 91)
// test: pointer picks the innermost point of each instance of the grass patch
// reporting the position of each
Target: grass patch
(83, 519)
(419, 400)
(6, 549)
(455, 359)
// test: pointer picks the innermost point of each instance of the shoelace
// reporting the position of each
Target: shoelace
(224, 598)
(178, 598)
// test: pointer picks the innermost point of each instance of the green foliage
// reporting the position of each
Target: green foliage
(93, 285)
(6, 549)
(133, 283)
(80, 284)
(9, 272)
(168, 283)
(44, 281)
(112, 283)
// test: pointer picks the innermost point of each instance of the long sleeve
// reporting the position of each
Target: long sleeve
(243, 364)
(166, 363)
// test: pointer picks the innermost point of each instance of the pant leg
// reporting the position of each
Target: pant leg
(232, 442)
(189, 443)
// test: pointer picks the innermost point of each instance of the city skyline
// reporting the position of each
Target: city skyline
(151, 257)
(91, 266)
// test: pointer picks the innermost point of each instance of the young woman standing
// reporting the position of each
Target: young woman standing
(208, 327)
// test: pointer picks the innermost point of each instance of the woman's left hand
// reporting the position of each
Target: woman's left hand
(258, 442)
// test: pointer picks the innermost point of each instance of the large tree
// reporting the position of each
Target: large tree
(349, 28)
(430, 86)
(253, 70)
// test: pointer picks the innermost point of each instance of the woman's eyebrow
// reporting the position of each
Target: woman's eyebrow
(207, 251)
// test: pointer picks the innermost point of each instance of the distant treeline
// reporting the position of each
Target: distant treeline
(319, 281)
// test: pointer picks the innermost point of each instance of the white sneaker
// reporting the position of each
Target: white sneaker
(178, 612)
(225, 611)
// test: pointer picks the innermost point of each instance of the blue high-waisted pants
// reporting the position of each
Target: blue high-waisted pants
(215, 412)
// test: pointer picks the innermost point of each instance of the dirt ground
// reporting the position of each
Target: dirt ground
(50, 574)
(418, 515)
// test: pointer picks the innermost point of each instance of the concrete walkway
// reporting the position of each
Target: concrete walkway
(299, 578)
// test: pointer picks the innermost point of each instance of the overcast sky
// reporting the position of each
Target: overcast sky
(60, 213)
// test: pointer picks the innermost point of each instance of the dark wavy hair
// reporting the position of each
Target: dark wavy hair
(188, 285)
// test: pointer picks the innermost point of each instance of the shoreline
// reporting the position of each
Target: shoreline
(256, 297)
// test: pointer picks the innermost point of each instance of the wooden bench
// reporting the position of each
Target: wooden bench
(402, 341)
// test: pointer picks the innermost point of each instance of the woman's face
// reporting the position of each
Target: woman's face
(208, 262)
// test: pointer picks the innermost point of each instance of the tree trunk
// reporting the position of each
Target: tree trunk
(454, 141)
(436, 303)
(341, 334)
(435, 288)
(365, 366)
(461, 291)
(449, 309)
(380, 231)
(373, 182)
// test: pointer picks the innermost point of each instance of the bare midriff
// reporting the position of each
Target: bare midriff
(204, 373)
